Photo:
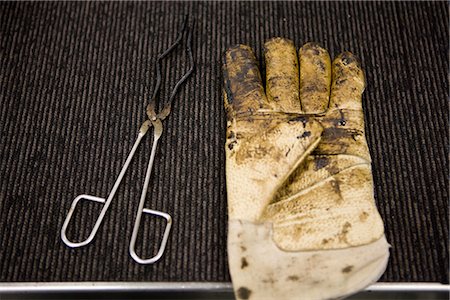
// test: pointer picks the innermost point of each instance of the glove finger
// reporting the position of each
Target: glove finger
(243, 89)
(315, 78)
(344, 121)
(282, 77)
(348, 83)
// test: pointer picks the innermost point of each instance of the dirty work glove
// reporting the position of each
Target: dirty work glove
(302, 217)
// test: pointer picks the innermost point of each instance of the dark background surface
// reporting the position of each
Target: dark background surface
(75, 80)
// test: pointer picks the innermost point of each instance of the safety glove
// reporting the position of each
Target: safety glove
(303, 223)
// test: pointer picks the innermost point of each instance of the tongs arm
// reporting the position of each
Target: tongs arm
(142, 131)
(158, 129)
(157, 132)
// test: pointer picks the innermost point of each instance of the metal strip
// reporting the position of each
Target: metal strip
(33, 287)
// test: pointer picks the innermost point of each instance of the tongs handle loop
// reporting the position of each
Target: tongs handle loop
(162, 247)
(69, 217)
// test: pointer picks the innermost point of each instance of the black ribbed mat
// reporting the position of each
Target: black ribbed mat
(75, 79)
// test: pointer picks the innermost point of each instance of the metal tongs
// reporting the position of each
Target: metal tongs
(155, 120)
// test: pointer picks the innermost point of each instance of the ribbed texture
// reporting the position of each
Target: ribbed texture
(75, 79)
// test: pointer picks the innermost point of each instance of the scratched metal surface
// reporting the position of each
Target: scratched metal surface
(75, 79)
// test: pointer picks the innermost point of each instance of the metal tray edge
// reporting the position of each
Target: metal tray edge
(97, 286)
